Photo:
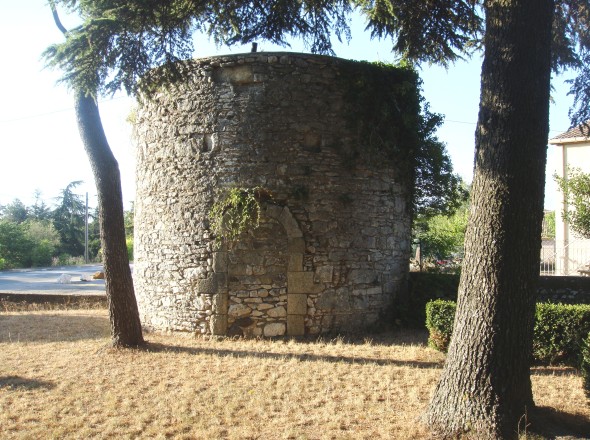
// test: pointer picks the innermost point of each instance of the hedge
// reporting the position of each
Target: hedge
(560, 334)
(585, 365)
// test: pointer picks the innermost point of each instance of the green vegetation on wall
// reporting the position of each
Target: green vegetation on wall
(238, 211)
(396, 125)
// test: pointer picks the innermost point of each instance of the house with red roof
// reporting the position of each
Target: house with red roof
(572, 252)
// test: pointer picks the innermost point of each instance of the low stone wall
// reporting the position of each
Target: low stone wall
(425, 286)
(332, 250)
(568, 290)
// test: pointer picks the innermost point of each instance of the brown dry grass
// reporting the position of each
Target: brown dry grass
(58, 380)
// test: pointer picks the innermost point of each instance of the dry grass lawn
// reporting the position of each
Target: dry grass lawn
(58, 380)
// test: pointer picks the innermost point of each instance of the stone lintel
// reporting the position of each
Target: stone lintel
(296, 304)
(295, 325)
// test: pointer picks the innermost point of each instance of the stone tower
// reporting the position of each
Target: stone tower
(331, 252)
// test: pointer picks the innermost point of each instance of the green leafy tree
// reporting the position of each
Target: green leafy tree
(442, 236)
(68, 219)
(485, 386)
(15, 246)
(16, 211)
(39, 210)
(576, 194)
(44, 239)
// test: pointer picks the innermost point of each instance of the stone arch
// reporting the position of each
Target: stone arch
(298, 282)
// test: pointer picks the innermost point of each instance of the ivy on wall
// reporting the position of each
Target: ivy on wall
(393, 123)
(237, 212)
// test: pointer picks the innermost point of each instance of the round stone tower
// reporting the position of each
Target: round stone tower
(331, 251)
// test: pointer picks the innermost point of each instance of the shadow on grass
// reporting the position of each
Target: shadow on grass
(52, 328)
(304, 357)
(552, 423)
(21, 383)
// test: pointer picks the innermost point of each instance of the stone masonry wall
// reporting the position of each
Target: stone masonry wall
(332, 249)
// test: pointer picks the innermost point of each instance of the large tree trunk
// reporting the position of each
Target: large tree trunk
(123, 312)
(485, 387)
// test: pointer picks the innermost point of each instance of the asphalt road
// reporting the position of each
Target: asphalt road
(44, 281)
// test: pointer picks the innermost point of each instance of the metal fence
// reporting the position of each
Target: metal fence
(572, 258)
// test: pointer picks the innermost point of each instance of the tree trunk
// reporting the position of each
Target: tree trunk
(123, 312)
(485, 386)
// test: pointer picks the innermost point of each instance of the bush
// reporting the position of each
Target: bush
(585, 365)
(560, 330)
(129, 243)
(440, 315)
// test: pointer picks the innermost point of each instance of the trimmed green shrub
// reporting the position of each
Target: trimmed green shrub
(440, 315)
(585, 365)
(560, 330)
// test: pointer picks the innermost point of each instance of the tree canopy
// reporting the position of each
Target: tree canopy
(118, 43)
(576, 191)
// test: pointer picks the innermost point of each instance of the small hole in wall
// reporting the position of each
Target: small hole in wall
(207, 143)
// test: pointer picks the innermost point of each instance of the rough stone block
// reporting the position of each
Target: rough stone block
(274, 329)
(214, 284)
(295, 325)
(277, 312)
(239, 310)
(218, 324)
(301, 282)
(207, 285)
(297, 304)
(363, 276)
(324, 274)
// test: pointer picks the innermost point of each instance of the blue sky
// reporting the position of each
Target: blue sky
(41, 148)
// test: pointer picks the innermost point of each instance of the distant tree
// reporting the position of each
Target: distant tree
(575, 188)
(442, 236)
(44, 241)
(16, 211)
(39, 210)
(437, 190)
(549, 225)
(129, 216)
(68, 219)
(15, 246)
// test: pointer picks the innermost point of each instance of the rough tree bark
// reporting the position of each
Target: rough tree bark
(123, 313)
(124, 316)
(485, 387)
